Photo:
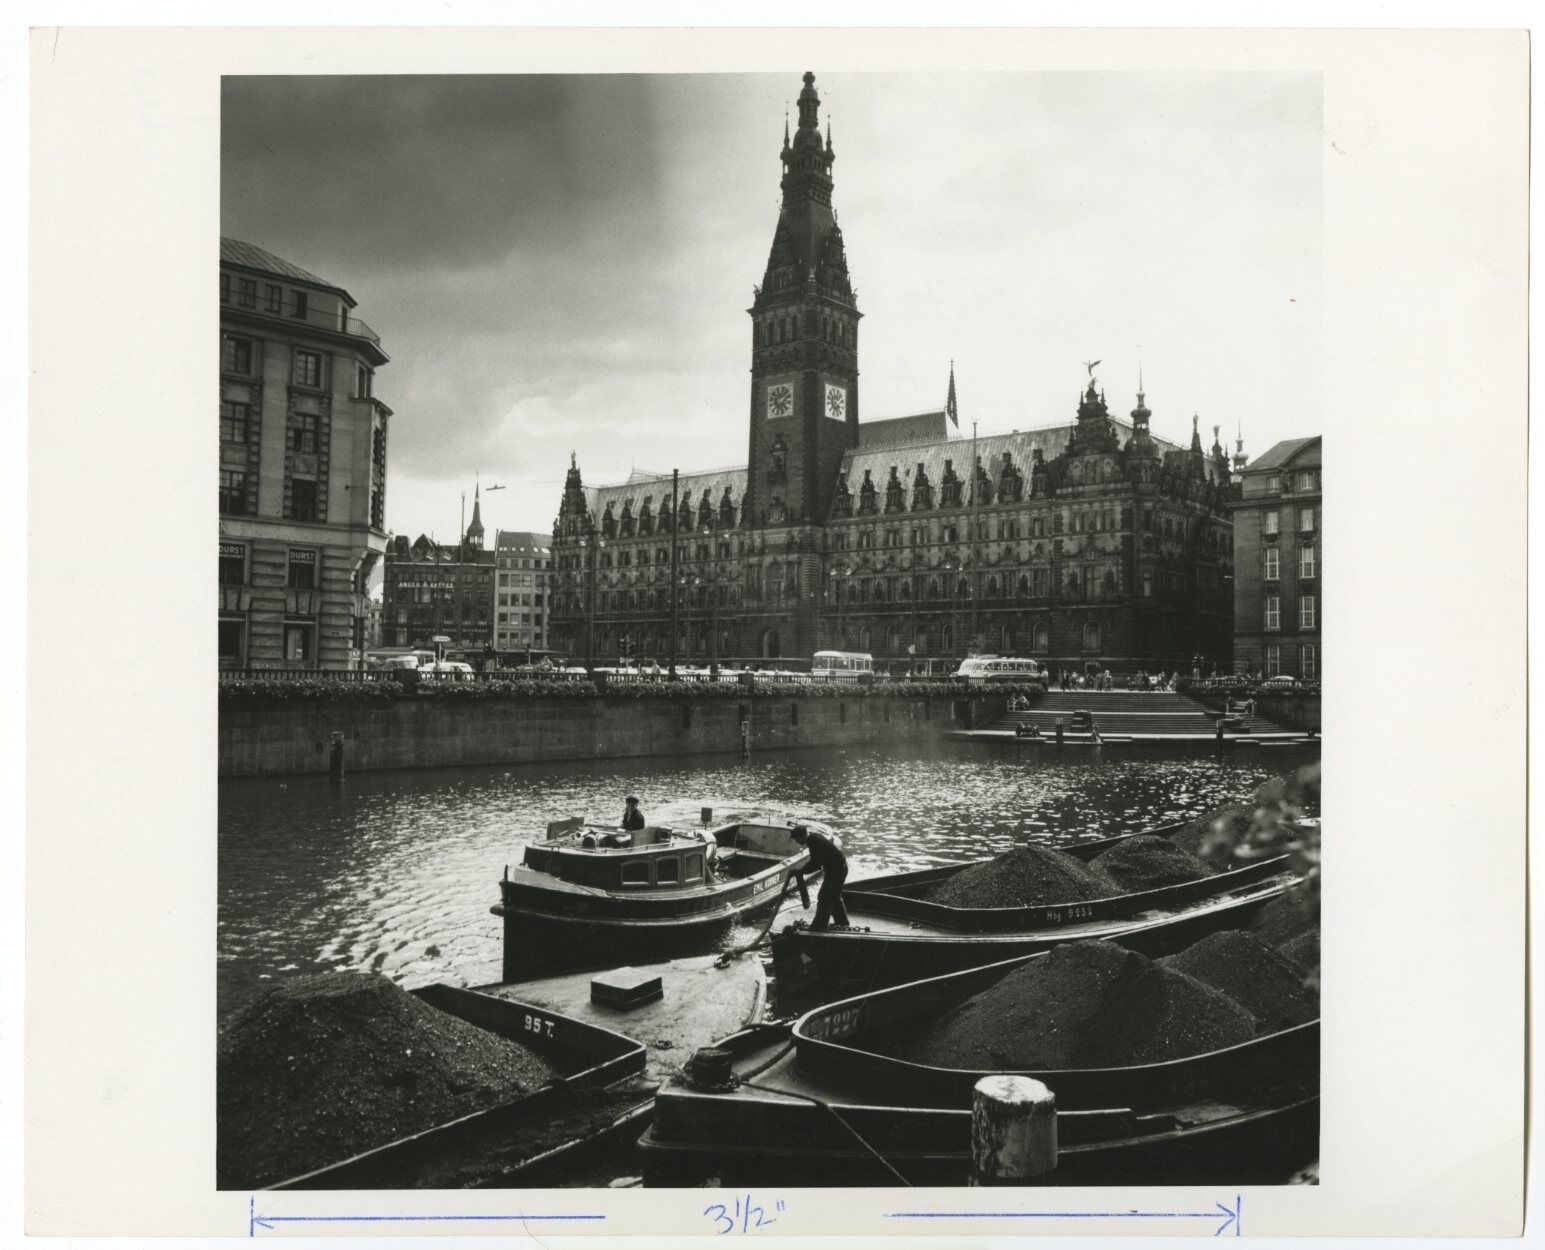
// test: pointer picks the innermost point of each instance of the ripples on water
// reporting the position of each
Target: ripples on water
(395, 872)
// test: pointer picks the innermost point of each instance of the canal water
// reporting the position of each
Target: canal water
(396, 872)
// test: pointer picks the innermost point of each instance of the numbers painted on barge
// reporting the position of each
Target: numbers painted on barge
(540, 1025)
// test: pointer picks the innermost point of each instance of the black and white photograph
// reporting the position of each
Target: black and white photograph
(898, 766)
(777, 667)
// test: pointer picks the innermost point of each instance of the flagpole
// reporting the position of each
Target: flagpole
(976, 469)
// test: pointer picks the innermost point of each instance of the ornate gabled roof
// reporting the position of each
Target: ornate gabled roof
(656, 488)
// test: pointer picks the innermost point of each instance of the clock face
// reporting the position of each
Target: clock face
(780, 400)
(836, 401)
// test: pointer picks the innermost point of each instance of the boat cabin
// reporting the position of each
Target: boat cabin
(657, 857)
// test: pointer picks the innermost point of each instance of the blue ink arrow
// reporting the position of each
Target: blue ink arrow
(269, 1222)
(1229, 1217)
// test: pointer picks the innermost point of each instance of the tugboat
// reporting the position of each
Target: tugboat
(588, 894)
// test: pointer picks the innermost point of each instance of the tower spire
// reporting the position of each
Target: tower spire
(951, 409)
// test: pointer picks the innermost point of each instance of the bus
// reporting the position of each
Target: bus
(842, 666)
(985, 669)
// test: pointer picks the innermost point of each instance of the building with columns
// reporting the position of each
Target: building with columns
(302, 466)
(1086, 542)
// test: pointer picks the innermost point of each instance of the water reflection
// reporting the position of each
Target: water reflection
(396, 872)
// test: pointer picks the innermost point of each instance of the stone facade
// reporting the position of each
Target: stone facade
(302, 466)
(1278, 533)
(1089, 543)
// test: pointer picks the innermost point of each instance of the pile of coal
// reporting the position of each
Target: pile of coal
(1027, 876)
(322, 1068)
(1289, 915)
(1085, 1005)
(1146, 861)
(1212, 835)
(1260, 979)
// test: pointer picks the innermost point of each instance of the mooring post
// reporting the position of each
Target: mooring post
(335, 758)
(1013, 1131)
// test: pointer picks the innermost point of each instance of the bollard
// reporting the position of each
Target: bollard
(745, 740)
(335, 758)
(1013, 1131)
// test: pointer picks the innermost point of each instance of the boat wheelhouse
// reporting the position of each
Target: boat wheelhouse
(589, 893)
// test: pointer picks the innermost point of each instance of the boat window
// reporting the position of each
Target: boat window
(694, 868)
(667, 870)
(636, 873)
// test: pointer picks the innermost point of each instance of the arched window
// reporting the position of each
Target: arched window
(948, 639)
(863, 638)
(1091, 636)
(1008, 640)
(1041, 639)
(1024, 586)
(992, 587)
(892, 640)
(933, 587)
(920, 639)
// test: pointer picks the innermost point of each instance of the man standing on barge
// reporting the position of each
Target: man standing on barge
(632, 816)
(828, 857)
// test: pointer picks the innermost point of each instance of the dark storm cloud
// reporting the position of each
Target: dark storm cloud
(412, 172)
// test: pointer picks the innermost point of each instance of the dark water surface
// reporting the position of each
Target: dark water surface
(396, 872)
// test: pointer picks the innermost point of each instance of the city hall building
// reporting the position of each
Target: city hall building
(302, 466)
(1086, 543)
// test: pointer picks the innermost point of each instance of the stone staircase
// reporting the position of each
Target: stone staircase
(1122, 713)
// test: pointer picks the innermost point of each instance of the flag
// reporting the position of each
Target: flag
(949, 404)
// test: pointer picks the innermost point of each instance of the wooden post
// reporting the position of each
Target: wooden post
(1013, 1131)
(335, 758)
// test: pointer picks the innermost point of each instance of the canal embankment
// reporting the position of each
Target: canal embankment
(276, 737)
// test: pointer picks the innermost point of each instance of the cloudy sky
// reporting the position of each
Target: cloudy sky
(563, 264)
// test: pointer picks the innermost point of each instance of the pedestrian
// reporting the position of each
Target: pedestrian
(828, 857)
(632, 815)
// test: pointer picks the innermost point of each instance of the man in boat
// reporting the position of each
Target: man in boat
(828, 857)
(632, 816)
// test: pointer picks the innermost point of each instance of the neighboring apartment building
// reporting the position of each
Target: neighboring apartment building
(302, 466)
(432, 590)
(1278, 563)
(521, 608)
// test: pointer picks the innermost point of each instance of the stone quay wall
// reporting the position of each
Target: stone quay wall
(288, 738)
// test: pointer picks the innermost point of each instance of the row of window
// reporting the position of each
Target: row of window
(521, 600)
(271, 298)
(1307, 618)
(1308, 564)
(303, 502)
(301, 571)
(1308, 660)
(301, 435)
(521, 579)
(523, 618)
(308, 368)
(1271, 521)
(1303, 481)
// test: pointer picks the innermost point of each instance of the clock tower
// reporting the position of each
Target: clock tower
(804, 342)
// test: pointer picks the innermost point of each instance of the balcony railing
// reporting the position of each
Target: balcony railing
(336, 319)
